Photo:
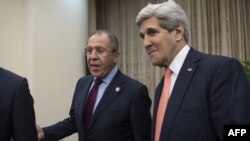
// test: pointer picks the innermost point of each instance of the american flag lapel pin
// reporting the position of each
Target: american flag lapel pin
(189, 69)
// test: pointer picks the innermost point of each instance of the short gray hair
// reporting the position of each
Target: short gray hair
(169, 14)
(112, 38)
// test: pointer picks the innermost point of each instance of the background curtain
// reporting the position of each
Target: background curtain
(216, 27)
(219, 26)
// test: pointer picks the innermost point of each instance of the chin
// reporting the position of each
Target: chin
(155, 62)
(94, 74)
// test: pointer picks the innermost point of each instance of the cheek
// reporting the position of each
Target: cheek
(166, 44)
(166, 52)
(88, 61)
(156, 41)
(105, 62)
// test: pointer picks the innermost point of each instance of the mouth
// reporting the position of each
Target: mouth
(150, 52)
(94, 67)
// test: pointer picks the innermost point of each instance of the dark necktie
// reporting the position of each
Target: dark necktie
(91, 102)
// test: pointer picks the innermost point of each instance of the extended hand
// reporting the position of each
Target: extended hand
(40, 133)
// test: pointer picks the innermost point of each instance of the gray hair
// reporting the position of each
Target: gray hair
(112, 38)
(170, 16)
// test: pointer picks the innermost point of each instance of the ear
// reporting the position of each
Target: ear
(179, 33)
(116, 57)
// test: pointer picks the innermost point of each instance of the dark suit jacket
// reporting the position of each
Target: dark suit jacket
(215, 93)
(120, 116)
(17, 119)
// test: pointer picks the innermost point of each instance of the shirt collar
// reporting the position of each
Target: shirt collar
(107, 79)
(178, 61)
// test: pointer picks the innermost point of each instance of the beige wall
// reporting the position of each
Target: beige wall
(11, 36)
(43, 41)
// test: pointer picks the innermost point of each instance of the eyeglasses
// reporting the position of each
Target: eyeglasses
(98, 50)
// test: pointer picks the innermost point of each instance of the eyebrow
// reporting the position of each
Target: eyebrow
(150, 29)
(94, 46)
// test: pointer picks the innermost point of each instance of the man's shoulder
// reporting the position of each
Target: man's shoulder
(86, 77)
(215, 59)
(131, 81)
(220, 60)
(10, 82)
(9, 76)
(83, 79)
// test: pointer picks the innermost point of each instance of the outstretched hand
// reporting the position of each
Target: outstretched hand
(40, 133)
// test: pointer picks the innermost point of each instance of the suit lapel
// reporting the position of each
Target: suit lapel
(83, 96)
(183, 80)
(113, 90)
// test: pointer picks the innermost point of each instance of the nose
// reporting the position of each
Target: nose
(93, 54)
(146, 42)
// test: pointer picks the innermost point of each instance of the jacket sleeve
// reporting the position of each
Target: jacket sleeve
(140, 115)
(229, 96)
(23, 115)
(63, 128)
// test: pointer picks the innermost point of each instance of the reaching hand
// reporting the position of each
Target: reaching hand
(40, 132)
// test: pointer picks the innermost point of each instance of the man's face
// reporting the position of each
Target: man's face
(100, 58)
(160, 44)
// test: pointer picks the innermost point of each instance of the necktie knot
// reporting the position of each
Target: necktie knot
(168, 72)
(97, 82)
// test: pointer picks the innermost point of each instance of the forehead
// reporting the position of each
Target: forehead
(149, 23)
(98, 40)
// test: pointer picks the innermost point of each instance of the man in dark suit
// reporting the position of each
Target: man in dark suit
(17, 120)
(122, 107)
(205, 91)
